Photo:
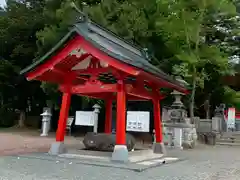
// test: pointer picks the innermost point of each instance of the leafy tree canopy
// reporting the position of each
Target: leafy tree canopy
(197, 39)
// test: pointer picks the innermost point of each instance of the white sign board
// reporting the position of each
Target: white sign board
(138, 121)
(231, 118)
(70, 121)
(84, 118)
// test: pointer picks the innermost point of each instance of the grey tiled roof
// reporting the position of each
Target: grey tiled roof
(111, 44)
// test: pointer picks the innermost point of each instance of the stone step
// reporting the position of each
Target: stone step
(234, 134)
(230, 137)
(225, 140)
(227, 144)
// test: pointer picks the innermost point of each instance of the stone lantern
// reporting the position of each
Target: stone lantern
(46, 119)
(178, 112)
(181, 131)
(96, 111)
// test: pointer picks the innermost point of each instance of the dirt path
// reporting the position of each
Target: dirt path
(28, 141)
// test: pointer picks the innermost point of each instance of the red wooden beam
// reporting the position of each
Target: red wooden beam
(72, 44)
(105, 96)
(108, 59)
(94, 96)
(94, 63)
(94, 71)
(101, 96)
(89, 88)
(139, 91)
(161, 82)
(65, 74)
(133, 98)
(59, 71)
(129, 97)
(156, 93)
(72, 60)
(92, 89)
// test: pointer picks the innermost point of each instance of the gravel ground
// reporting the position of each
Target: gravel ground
(208, 163)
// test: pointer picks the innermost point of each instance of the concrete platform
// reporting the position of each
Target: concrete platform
(138, 163)
(138, 160)
(134, 156)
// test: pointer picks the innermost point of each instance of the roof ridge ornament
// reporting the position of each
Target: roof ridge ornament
(145, 52)
(82, 16)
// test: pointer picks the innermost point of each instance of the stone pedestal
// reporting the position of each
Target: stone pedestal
(57, 148)
(217, 124)
(120, 153)
(181, 135)
(159, 148)
(178, 137)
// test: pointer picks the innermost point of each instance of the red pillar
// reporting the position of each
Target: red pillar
(121, 115)
(157, 121)
(108, 116)
(66, 100)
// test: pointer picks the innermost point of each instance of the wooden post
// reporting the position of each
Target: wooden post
(121, 115)
(108, 116)
(157, 120)
(120, 152)
(66, 100)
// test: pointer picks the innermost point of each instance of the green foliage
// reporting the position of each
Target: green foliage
(189, 29)
(8, 116)
(51, 90)
(18, 27)
(231, 96)
(191, 38)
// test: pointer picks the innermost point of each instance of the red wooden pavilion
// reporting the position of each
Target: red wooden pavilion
(92, 61)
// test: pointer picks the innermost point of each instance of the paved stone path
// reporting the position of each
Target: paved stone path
(206, 163)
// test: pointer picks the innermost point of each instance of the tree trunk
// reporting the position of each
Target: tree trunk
(192, 99)
(21, 120)
(207, 107)
(208, 114)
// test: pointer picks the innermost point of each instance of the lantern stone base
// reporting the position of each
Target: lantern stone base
(57, 148)
(159, 148)
(120, 153)
(181, 135)
(44, 134)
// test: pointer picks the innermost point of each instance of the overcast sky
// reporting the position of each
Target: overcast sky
(2, 2)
